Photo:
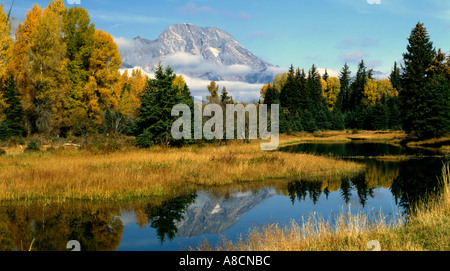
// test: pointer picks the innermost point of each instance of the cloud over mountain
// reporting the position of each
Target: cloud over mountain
(202, 54)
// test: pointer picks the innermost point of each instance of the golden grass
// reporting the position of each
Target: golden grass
(123, 175)
(427, 228)
(341, 136)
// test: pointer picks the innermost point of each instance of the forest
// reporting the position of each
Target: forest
(60, 77)
(415, 98)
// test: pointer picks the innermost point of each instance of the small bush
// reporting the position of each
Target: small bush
(2, 152)
(32, 146)
(145, 140)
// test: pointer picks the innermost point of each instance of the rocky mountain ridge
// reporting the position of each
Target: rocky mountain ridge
(209, 53)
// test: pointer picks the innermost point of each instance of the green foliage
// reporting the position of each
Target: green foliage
(302, 103)
(154, 122)
(337, 120)
(380, 117)
(145, 139)
(12, 126)
(32, 146)
(433, 119)
(357, 87)
(163, 218)
(272, 96)
(2, 152)
(415, 95)
(79, 36)
(342, 102)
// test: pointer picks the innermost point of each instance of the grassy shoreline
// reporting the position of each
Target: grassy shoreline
(58, 175)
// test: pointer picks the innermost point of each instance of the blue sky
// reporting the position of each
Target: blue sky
(327, 33)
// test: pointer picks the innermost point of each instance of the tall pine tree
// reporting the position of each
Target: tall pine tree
(12, 126)
(154, 123)
(342, 102)
(417, 93)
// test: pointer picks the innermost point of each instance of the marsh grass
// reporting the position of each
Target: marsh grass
(426, 228)
(79, 174)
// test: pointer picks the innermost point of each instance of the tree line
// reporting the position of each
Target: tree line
(60, 76)
(415, 98)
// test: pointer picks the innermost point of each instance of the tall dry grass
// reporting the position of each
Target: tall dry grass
(122, 175)
(427, 228)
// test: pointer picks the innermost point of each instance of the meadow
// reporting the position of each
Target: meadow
(101, 172)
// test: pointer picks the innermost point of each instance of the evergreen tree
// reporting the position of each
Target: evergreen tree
(337, 120)
(154, 123)
(225, 98)
(357, 87)
(394, 77)
(288, 90)
(342, 102)
(415, 82)
(434, 110)
(325, 75)
(272, 95)
(317, 103)
(393, 104)
(380, 115)
(12, 126)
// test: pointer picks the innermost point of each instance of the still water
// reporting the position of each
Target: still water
(387, 187)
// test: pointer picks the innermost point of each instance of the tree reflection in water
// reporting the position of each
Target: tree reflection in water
(49, 228)
(409, 182)
(163, 217)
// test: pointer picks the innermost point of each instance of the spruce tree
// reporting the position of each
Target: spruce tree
(393, 104)
(317, 104)
(288, 90)
(272, 95)
(153, 125)
(357, 87)
(12, 126)
(380, 115)
(415, 80)
(342, 102)
(394, 77)
(325, 75)
(434, 110)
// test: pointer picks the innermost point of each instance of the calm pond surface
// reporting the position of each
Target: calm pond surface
(387, 186)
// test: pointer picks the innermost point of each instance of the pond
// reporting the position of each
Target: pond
(388, 186)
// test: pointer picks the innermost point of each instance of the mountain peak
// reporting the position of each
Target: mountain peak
(201, 52)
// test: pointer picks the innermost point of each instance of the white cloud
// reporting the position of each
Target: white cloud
(124, 43)
(71, 2)
(354, 56)
(240, 91)
(372, 2)
(331, 73)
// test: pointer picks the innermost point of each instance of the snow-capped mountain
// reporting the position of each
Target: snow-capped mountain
(207, 53)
